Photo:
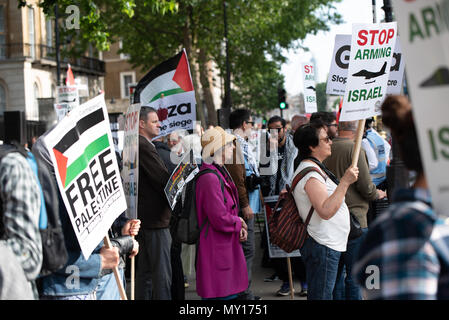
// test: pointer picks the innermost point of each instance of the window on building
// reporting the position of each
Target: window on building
(123, 56)
(2, 32)
(49, 32)
(126, 78)
(2, 100)
(31, 41)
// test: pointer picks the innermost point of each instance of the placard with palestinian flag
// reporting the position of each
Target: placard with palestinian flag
(87, 172)
(168, 88)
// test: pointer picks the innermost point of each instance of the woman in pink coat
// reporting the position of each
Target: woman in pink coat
(221, 268)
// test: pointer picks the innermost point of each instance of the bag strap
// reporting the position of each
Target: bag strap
(194, 188)
(295, 181)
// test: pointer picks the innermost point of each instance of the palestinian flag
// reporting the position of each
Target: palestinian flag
(168, 78)
(73, 154)
(169, 90)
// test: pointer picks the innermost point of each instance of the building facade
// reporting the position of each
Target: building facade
(28, 70)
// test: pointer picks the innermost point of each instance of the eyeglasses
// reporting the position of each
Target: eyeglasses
(327, 139)
(250, 122)
(278, 129)
(332, 125)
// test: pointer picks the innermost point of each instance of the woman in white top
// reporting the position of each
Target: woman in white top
(329, 226)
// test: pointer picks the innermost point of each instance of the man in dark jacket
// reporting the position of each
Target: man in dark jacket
(178, 290)
(154, 272)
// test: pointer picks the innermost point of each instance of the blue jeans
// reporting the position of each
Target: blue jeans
(107, 288)
(346, 287)
(321, 269)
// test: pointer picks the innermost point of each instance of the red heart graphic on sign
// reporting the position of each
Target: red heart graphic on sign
(162, 114)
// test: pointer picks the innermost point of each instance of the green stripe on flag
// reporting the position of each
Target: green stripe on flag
(81, 163)
(167, 93)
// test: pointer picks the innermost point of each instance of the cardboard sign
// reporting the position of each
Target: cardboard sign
(87, 173)
(424, 29)
(308, 72)
(130, 159)
(338, 74)
(369, 67)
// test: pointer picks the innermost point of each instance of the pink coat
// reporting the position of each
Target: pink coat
(221, 266)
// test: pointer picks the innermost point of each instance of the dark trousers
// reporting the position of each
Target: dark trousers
(154, 273)
(177, 284)
(298, 268)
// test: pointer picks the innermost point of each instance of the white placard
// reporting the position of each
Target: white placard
(130, 159)
(370, 62)
(424, 30)
(338, 74)
(87, 173)
(308, 72)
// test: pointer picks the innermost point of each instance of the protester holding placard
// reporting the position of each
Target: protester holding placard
(79, 278)
(405, 253)
(221, 271)
(154, 272)
(121, 233)
(357, 198)
(329, 227)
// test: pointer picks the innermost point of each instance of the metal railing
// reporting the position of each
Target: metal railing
(41, 51)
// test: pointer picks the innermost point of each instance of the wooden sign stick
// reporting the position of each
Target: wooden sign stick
(290, 278)
(358, 142)
(108, 245)
(133, 275)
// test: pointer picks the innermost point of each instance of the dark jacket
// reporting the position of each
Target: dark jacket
(164, 152)
(237, 171)
(153, 208)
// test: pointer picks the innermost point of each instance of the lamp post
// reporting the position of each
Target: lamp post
(225, 111)
(58, 63)
(397, 174)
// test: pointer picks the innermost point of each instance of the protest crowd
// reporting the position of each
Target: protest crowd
(84, 220)
(229, 193)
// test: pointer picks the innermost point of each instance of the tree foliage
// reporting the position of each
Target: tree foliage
(153, 30)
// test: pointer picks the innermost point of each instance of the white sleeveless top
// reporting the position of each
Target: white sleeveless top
(332, 233)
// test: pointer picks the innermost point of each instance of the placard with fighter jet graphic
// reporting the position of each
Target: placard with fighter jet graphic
(372, 47)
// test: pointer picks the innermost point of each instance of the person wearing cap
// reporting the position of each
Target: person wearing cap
(221, 271)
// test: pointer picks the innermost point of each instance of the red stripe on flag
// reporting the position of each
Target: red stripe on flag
(182, 74)
(61, 160)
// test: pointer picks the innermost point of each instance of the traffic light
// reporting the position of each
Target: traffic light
(282, 99)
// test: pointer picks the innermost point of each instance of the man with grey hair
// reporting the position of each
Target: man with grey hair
(357, 199)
